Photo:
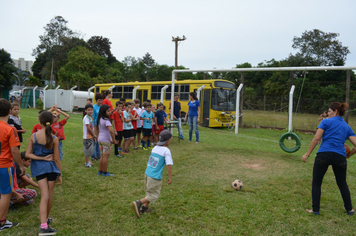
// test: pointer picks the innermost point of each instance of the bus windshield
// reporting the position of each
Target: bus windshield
(223, 100)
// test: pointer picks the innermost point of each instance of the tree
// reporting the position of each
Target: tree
(323, 48)
(21, 77)
(148, 61)
(101, 46)
(7, 69)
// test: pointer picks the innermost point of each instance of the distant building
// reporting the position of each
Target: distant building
(23, 64)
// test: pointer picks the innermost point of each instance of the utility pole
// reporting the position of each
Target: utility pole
(176, 40)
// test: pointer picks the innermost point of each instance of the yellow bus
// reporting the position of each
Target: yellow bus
(217, 98)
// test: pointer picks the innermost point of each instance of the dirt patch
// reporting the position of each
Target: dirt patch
(255, 166)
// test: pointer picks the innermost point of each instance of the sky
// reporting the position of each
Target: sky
(220, 34)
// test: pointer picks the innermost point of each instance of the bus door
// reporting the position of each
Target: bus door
(205, 107)
(142, 95)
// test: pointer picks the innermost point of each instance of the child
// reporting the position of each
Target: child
(147, 117)
(160, 118)
(99, 100)
(90, 101)
(117, 120)
(24, 180)
(160, 157)
(134, 123)
(37, 127)
(9, 152)
(139, 123)
(123, 100)
(88, 134)
(106, 137)
(58, 127)
(15, 120)
(46, 167)
(127, 129)
(153, 109)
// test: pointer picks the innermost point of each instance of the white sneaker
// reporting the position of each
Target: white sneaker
(87, 165)
(8, 225)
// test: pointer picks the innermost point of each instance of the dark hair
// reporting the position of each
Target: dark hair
(340, 107)
(46, 119)
(5, 107)
(41, 111)
(86, 107)
(107, 92)
(90, 99)
(122, 100)
(144, 104)
(137, 101)
(127, 104)
(14, 105)
(23, 156)
(102, 114)
(159, 104)
(119, 102)
(194, 96)
(149, 105)
(99, 96)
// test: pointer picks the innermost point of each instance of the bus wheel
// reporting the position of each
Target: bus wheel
(295, 137)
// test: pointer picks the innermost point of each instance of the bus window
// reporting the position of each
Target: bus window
(128, 92)
(223, 100)
(184, 92)
(156, 92)
(117, 92)
(169, 90)
(97, 90)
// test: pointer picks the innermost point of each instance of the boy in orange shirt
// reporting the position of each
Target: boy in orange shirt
(9, 142)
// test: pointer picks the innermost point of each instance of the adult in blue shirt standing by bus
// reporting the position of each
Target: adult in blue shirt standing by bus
(193, 115)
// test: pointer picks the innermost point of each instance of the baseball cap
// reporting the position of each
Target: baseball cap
(164, 136)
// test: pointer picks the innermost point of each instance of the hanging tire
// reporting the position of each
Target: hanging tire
(295, 137)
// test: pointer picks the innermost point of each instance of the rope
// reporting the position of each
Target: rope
(300, 94)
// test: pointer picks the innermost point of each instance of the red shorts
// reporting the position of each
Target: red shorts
(160, 129)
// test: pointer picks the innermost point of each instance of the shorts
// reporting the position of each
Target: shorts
(128, 133)
(152, 188)
(20, 180)
(50, 176)
(153, 128)
(6, 180)
(139, 130)
(88, 146)
(119, 135)
(146, 132)
(105, 148)
(160, 129)
(134, 132)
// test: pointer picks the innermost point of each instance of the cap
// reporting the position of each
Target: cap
(164, 136)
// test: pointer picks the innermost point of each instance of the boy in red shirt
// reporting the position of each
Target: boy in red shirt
(134, 124)
(9, 142)
(37, 127)
(58, 127)
(117, 119)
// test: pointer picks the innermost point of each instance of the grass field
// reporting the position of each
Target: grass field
(200, 201)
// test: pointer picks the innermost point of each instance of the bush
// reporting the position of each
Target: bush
(39, 103)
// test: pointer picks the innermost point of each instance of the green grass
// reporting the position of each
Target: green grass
(200, 201)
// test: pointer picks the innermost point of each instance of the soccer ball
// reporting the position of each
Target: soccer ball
(237, 184)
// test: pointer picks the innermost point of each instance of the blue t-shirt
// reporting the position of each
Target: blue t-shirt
(147, 124)
(336, 131)
(160, 115)
(96, 109)
(160, 157)
(176, 109)
(193, 108)
(127, 125)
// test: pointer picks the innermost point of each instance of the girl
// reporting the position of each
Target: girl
(106, 101)
(45, 166)
(334, 131)
(194, 116)
(106, 137)
(15, 120)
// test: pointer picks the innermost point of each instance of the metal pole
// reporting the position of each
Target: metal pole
(162, 92)
(34, 96)
(198, 91)
(71, 98)
(134, 92)
(347, 94)
(44, 97)
(290, 112)
(237, 108)
(55, 95)
(172, 95)
(91, 88)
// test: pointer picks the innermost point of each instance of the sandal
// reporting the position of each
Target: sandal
(312, 212)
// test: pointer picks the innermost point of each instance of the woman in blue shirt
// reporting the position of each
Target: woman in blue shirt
(333, 131)
(193, 114)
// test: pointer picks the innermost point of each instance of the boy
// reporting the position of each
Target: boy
(90, 101)
(160, 118)
(134, 123)
(58, 127)
(99, 100)
(139, 122)
(127, 129)
(152, 139)
(160, 157)
(147, 117)
(37, 127)
(24, 180)
(123, 100)
(117, 123)
(88, 134)
(9, 150)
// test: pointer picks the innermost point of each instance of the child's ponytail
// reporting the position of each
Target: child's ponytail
(46, 119)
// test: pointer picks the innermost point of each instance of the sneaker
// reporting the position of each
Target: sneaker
(97, 158)
(124, 152)
(150, 147)
(144, 148)
(136, 206)
(135, 148)
(100, 172)
(49, 220)
(119, 149)
(107, 174)
(48, 231)
(88, 165)
(145, 210)
(119, 155)
(8, 225)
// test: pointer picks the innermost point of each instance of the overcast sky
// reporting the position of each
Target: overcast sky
(220, 34)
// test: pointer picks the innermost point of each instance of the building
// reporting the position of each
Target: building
(23, 64)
